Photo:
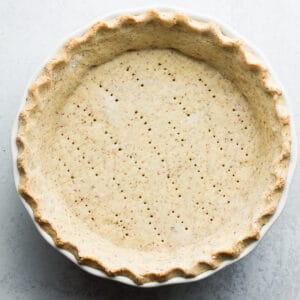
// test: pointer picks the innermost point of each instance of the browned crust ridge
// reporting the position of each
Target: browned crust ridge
(223, 41)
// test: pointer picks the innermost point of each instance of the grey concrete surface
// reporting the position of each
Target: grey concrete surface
(29, 268)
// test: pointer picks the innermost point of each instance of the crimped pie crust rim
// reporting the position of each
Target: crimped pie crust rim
(223, 41)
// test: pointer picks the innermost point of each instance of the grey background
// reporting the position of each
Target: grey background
(29, 268)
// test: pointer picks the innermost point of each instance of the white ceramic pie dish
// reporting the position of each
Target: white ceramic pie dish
(126, 280)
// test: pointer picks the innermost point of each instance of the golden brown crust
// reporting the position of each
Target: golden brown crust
(63, 58)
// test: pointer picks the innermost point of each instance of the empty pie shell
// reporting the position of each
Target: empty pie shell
(153, 146)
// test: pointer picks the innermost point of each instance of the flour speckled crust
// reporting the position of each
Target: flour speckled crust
(153, 146)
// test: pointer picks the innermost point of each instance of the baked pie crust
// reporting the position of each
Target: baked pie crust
(153, 146)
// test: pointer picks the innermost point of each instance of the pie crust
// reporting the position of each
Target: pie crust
(153, 146)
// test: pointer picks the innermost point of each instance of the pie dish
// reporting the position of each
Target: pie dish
(153, 146)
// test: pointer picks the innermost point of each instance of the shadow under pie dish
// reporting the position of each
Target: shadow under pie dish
(153, 146)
